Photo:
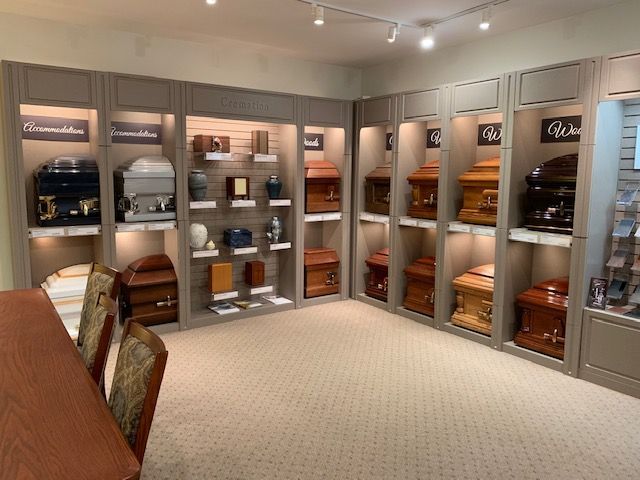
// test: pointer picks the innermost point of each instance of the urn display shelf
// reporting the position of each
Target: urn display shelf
(243, 204)
(280, 202)
(76, 231)
(279, 246)
(205, 253)
(243, 250)
(203, 205)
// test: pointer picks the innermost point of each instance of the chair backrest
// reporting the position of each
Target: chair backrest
(136, 384)
(97, 338)
(103, 280)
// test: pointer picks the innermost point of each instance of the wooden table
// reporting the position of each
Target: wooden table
(53, 421)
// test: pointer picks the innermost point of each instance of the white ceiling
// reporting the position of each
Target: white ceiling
(286, 27)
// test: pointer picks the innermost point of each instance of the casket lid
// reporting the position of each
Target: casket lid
(478, 278)
(483, 270)
(148, 271)
(380, 258)
(559, 286)
(151, 262)
(559, 170)
(71, 164)
(550, 293)
(320, 256)
(422, 267)
(426, 173)
(483, 171)
(148, 163)
(320, 169)
(381, 173)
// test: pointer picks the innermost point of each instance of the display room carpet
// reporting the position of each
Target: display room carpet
(347, 391)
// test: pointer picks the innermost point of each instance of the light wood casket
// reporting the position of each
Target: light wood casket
(474, 299)
(480, 185)
(322, 187)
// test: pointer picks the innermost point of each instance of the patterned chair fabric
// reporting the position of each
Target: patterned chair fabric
(93, 332)
(96, 284)
(129, 388)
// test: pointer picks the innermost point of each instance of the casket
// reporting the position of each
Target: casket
(551, 195)
(474, 299)
(67, 191)
(378, 190)
(322, 187)
(480, 185)
(378, 283)
(145, 189)
(421, 291)
(424, 191)
(321, 272)
(150, 291)
(543, 316)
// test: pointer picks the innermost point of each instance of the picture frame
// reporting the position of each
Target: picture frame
(598, 293)
(238, 188)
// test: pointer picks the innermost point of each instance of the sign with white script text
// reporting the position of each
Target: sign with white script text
(433, 137)
(136, 133)
(54, 129)
(314, 141)
(489, 134)
(389, 141)
(561, 129)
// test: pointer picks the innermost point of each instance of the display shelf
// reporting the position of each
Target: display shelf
(468, 334)
(374, 218)
(462, 227)
(279, 246)
(533, 356)
(243, 250)
(205, 318)
(76, 231)
(261, 290)
(263, 158)
(205, 253)
(215, 156)
(323, 217)
(203, 205)
(243, 204)
(146, 226)
(417, 222)
(280, 202)
(415, 316)
(542, 238)
(216, 297)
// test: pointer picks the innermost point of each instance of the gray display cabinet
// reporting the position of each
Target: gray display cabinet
(333, 119)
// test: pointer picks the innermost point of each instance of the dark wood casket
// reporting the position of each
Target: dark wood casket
(378, 190)
(551, 195)
(474, 299)
(421, 291)
(321, 272)
(424, 191)
(322, 187)
(543, 316)
(150, 291)
(378, 284)
(480, 185)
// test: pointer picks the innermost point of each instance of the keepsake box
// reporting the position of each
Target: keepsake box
(480, 185)
(322, 187)
(378, 283)
(67, 191)
(149, 293)
(321, 272)
(551, 195)
(378, 190)
(543, 316)
(421, 286)
(220, 277)
(211, 143)
(424, 191)
(254, 273)
(474, 299)
(260, 142)
(238, 237)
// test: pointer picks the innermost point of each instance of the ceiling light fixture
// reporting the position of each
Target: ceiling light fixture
(428, 41)
(486, 19)
(394, 30)
(212, 2)
(318, 14)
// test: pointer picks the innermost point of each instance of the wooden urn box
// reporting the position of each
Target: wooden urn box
(551, 195)
(321, 272)
(378, 284)
(480, 185)
(421, 286)
(474, 299)
(378, 190)
(150, 291)
(322, 187)
(543, 316)
(424, 191)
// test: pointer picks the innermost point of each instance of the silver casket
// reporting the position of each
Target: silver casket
(145, 189)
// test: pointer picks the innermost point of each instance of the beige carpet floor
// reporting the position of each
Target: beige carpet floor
(347, 391)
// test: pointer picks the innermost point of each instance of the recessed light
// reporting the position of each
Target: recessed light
(428, 40)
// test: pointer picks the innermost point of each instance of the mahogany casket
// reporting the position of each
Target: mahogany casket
(150, 291)
(543, 315)
(480, 185)
(421, 291)
(321, 272)
(378, 190)
(474, 299)
(551, 195)
(322, 187)
(424, 191)
(378, 284)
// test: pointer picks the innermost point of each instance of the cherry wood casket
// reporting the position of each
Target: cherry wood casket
(322, 187)
(480, 185)
(378, 190)
(378, 284)
(321, 272)
(421, 279)
(551, 195)
(150, 291)
(474, 299)
(543, 316)
(424, 191)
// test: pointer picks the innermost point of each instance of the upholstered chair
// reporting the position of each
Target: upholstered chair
(136, 384)
(97, 338)
(103, 280)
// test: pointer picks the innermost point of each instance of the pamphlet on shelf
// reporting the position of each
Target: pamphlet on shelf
(276, 299)
(246, 304)
(624, 228)
(635, 297)
(616, 289)
(629, 194)
(618, 258)
(223, 308)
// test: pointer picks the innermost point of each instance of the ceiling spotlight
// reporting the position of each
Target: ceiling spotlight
(428, 40)
(212, 2)
(394, 30)
(486, 19)
(318, 14)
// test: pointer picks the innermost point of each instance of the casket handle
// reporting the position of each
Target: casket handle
(486, 314)
(430, 298)
(554, 337)
(332, 278)
(431, 201)
(169, 302)
(47, 208)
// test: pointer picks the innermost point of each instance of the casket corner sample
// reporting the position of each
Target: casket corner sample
(480, 189)
(322, 187)
(67, 191)
(424, 191)
(150, 291)
(474, 299)
(260, 142)
(543, 315)
(378, 284)
(211, 143)
(378, 190)
(321, 272)
(145, 189)
(421, 286)
(551, 195)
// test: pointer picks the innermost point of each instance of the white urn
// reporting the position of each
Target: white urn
(197, 235)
